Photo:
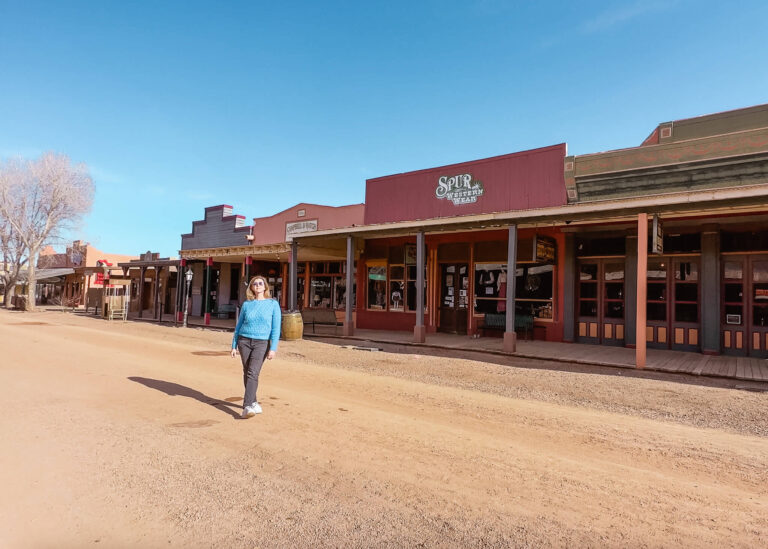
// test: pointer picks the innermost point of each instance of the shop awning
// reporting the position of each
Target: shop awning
(47, 275)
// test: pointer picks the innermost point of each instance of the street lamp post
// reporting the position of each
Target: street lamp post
(188, 276)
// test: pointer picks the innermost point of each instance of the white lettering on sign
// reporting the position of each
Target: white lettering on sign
(459, 189)
(298, 227)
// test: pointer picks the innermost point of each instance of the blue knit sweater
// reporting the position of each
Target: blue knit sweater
(259, 319)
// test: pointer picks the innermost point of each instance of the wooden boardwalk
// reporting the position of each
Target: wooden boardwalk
(742, 368)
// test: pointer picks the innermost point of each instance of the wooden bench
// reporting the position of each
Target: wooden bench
(226, 310)
(498, 321)
(322, 317)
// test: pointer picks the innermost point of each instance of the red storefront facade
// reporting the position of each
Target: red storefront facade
(465, 269)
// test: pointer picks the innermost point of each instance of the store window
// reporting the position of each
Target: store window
(394, 280)
(320, 292)
(377, 287)
(396, 287)
(533, 289)
(340, 293)
(327, 285)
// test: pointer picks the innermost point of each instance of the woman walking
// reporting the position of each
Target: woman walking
(256, 337)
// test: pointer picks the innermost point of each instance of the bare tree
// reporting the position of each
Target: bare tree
(13, 258)
(39, 199)
(12, 248)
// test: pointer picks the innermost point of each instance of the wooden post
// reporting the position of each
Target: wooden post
(349, 328)
(141, 291)
(158, 310)
(294, 282)
(510, 337)
(207, 297)
(248, 263)
(180, 289)
(419, 330)
(642, 289)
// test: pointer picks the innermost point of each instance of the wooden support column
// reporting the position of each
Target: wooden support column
(141, 291)
(248, 263)
(642, 289)
(207, 297)
(180, 289)
(710, 288)
(158, 310)
(294, 282)
(569, 297)
(510, 337)
(349, 328)
(419, 330)
(630, 291)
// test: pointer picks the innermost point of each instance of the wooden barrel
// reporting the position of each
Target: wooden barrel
(292, 326)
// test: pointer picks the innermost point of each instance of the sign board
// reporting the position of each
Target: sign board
(459, 189)
(298, 227)
(657, 236)
(543, 249)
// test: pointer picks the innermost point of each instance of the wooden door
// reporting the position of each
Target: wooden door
(744, 305)
(673, 311)
(454, 301)
(600, 314)
(734, 314)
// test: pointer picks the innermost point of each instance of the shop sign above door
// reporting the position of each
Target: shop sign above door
(298, 227)
(459, 189)
(543, 249)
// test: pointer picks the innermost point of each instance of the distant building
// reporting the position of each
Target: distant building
(89, 267)
(223, 252)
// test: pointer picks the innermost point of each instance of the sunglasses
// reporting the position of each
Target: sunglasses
(258, 283)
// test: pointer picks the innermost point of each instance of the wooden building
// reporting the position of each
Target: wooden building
(89, 267)
(154, 285)
(223, 253)
(439, 246)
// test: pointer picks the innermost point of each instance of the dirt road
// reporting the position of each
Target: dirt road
(127, 435)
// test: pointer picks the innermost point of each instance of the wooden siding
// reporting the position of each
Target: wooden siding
(218, 229)
(519, 181)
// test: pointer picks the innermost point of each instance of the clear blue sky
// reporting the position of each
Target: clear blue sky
(176, 106)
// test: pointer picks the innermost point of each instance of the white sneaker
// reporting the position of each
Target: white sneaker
(256, 408)
(248, 411)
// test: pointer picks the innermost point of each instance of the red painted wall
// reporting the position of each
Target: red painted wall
(271, 230)
(518, 181)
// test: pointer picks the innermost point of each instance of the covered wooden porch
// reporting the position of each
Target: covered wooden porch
(697, 364)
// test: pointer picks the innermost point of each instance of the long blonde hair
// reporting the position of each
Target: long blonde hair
(251, 295)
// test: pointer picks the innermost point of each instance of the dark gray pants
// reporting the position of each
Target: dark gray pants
(252, 353)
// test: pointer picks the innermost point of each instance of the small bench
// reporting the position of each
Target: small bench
(322, 317)
(498, 321)
(226, 310)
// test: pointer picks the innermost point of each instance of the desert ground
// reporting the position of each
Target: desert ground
(128, 435)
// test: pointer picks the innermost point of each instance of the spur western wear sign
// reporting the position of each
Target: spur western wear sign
(459, 189)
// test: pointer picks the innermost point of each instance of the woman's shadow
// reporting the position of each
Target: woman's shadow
(174, 389)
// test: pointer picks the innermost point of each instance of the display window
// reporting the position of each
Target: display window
(534, 289)
(340, 293)
(377, 287)
(392, 282)
(327, 286)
